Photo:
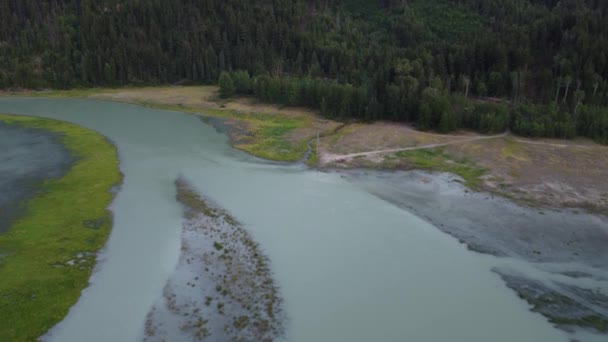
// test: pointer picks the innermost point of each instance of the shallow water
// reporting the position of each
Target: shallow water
(493, 224)
(351, 266)
(27, 157)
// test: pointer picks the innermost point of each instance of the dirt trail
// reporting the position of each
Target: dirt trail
(524, 141)
(328, 157)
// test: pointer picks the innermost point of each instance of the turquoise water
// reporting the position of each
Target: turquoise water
(351, 266)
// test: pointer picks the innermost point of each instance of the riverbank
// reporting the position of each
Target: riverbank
(49, 250)
(541, 174)
(538, 173)
(266, 131)
(28, 157)
(565, 255)
(393, 258)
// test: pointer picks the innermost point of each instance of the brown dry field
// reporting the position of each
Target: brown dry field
(358, 137)
(548, 172)
(553, 173)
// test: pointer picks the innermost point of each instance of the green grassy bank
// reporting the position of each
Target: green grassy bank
(263, 135)
(48, 254)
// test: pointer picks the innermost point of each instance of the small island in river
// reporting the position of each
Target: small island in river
(222, 288)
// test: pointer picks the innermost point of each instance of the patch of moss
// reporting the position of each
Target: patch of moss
(269, 138)
(313, 158)
(241, 322)
(35, 293)
(266, 134)
(193, 201)
(437, 160)
(541, 303)
(596, 322)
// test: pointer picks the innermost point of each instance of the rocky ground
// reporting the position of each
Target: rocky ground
(540, 172)
(222, 288)
(557, 260)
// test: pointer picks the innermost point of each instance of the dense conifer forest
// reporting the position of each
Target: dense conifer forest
(535, 67)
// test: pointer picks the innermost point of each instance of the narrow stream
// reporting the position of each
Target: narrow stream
(351, 267)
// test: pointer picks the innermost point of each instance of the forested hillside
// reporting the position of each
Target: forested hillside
(536, 67)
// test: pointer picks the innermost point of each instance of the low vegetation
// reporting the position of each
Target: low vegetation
(260, 131)
(49, 253)
(437, 160)
(263, 135)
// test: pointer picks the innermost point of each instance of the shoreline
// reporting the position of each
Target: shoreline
(560, 249)
(54, 268)
(566, 276)
(575, 306)
(428, 193)
(533, 172)
(222, 287)
(40, 157)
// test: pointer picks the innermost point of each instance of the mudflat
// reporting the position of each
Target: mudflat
(27, 157)
(557, 260)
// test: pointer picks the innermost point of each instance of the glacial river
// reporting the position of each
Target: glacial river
(350, 266)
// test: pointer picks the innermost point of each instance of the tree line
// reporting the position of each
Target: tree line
(432, 110)
(536, 67)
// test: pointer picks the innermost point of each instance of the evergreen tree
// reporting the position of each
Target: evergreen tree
(227, 88)
(371, 61)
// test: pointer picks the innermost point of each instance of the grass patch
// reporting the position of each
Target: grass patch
(437, 160)
(313, 158)
(267, 134)
(596, 322)
(513, 150)
(269, 137)
(49, 253)
(193, 201)
(540, 303)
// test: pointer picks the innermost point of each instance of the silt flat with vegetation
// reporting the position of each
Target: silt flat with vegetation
(50, 249)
